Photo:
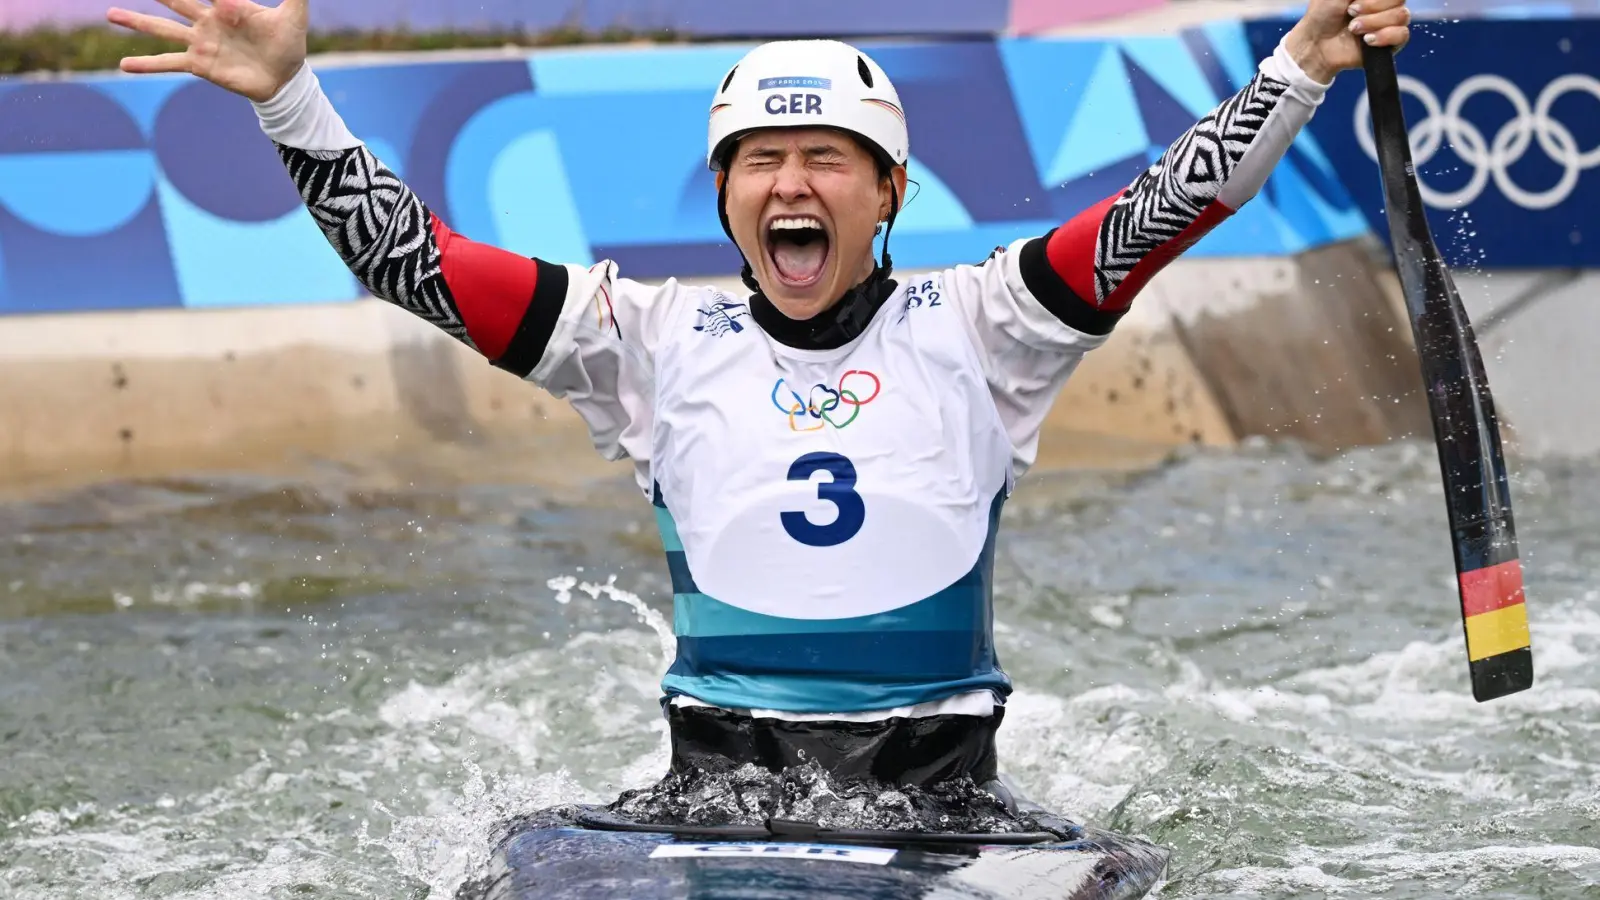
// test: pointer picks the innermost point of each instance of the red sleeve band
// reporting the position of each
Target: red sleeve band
(509, 304)
(1047, 286)
(1071, 248)
(1072, 254)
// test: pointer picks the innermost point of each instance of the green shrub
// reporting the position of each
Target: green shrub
(94, 48)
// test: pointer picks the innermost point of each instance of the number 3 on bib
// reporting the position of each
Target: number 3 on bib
(841, 492)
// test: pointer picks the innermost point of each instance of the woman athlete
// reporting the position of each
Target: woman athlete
(828, 452)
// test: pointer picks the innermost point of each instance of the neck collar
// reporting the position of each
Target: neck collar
(832, 328)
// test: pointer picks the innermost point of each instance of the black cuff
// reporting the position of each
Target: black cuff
(538, 322)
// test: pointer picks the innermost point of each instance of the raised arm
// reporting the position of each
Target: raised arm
(1088, 271)
(503, 305)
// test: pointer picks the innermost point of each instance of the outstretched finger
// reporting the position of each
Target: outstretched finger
(155, 26)
(189, 9)
(161, 62)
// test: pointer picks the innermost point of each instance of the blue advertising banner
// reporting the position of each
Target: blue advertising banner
(162, 191)
(689, 18)
(1505, 132)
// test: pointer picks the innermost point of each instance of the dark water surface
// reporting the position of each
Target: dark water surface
(227, 688)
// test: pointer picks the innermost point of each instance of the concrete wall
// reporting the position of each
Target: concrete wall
(1214, 351)
(1537, 331)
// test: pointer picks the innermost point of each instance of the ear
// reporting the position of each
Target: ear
(722, 178)
(897, 177)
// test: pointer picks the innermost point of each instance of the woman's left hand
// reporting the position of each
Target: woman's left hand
(1329, 38)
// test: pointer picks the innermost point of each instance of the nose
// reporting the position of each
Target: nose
(793, 181)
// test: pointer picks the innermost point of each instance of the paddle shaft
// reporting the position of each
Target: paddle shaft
(1466, 431)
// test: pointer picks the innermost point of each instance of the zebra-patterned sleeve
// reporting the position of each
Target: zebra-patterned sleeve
(503, 305)
(1088, 271)
(379, 228)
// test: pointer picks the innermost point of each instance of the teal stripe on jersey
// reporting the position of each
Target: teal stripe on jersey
(959, 607)
(669, 531)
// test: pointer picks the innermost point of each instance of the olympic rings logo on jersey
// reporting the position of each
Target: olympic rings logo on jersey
(817, 410)
(1493, 159)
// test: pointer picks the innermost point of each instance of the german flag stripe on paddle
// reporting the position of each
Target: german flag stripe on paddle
(1499, 648)
(1496, 617)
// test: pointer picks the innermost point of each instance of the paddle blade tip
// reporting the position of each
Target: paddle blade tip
(1501, 675)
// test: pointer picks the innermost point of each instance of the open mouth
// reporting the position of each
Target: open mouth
(798, 247)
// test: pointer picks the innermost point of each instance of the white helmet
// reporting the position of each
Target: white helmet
(798, 84)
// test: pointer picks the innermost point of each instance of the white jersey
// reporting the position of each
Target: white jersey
(829, 516)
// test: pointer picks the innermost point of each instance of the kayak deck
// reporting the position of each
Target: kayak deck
(568, 858)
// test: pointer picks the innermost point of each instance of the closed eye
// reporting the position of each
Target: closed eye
(763, 158)
(825, 156)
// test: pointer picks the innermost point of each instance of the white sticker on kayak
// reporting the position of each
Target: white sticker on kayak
(872, 856)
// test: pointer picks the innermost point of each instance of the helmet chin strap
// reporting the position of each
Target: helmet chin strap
(748, 275)
(894, 210)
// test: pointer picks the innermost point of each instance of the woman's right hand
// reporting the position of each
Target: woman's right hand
(243, 47)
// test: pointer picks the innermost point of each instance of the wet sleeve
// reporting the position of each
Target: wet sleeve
(1088, 271)
(501, 304)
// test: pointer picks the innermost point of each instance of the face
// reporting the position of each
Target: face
(803, 204)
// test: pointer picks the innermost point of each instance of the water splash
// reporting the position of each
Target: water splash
(611, 679)
(1275, 687)
(451, 843)
(564, 584)
(750, 795)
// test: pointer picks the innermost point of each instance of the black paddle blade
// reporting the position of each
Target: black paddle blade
(1499, 650)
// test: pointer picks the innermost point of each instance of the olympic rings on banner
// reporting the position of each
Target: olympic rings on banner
(822, 401)
(1493, 159)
